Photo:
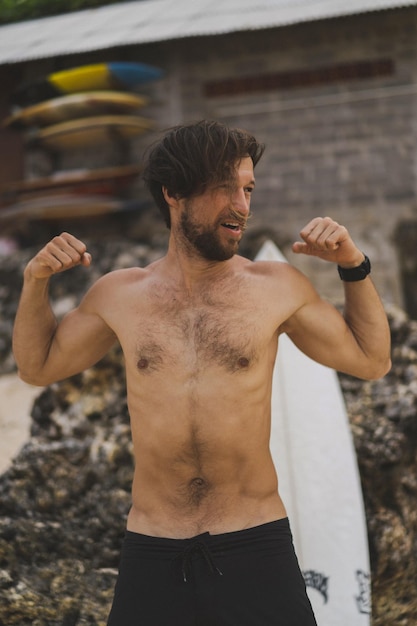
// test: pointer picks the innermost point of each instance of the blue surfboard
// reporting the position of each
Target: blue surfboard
(114, 76)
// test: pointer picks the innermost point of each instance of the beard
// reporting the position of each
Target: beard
(206, 241)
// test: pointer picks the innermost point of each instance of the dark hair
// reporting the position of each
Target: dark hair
(192, 157)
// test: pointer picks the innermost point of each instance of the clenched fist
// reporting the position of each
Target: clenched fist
(328, 240)
(60, 254)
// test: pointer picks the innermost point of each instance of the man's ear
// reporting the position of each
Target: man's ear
(171, 201)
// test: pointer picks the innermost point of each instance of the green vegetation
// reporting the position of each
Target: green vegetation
(19, 10)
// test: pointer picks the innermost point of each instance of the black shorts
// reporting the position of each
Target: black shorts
(244, 578)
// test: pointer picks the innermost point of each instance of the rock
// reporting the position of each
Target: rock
(383, 417)
(65, 498)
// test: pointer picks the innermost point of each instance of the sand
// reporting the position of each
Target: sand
(16, 400)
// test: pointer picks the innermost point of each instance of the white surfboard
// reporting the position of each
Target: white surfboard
(319, 482)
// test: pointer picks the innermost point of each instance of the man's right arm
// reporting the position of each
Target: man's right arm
(44, 350)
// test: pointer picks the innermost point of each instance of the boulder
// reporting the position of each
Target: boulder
(65, 497)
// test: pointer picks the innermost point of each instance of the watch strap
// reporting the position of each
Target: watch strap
(353, 274)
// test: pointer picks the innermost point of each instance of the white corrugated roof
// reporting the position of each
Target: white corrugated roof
(148, 21)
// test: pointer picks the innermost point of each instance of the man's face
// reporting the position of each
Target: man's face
(212, 224)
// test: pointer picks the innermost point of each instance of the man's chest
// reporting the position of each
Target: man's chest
(228, 334)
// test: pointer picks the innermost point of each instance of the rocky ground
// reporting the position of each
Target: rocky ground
(64, 500)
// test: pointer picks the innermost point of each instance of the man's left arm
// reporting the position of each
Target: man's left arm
(359, 342)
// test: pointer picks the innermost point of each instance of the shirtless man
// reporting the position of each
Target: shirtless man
(207, 541)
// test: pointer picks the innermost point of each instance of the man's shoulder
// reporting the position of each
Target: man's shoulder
(129, 273)
(272, 269)
(274, 277)
(279, 288)
(114, 283)
(123, 276)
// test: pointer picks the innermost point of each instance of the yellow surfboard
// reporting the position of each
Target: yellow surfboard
(120, 76)
(75, 106)
(64, 206)
(81, 78)
(90, 130)
(103, 76)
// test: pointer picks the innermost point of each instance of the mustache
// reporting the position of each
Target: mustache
(240, 218)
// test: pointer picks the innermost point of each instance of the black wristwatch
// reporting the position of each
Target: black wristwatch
(352, 274)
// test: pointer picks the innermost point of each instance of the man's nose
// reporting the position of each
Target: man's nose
(241, 202)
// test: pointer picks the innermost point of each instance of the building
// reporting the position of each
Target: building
(329, 86)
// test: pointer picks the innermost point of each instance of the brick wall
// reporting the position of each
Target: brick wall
(339, 126)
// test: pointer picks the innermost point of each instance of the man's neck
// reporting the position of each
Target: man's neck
(192, 269)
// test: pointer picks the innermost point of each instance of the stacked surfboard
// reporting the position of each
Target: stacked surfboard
(88, 106)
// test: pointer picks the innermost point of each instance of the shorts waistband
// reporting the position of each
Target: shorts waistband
(232, 538)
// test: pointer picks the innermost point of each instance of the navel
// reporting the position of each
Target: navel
(198, 483)
(198, 489)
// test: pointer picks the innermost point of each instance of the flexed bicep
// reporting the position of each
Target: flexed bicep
(356, 343)
(47, 350)
(321, 333)
(81, 339)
